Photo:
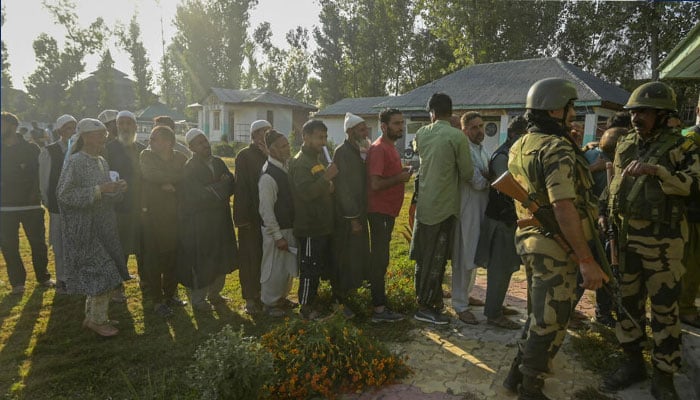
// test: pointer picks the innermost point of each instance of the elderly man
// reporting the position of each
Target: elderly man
(279, 264)
(109, 119)
(350, 239)
(312, 187)
(445, 162)
(249, 162)
(385, 191)
(20, 203)
(123, 157)
(208, 241)
(50, 167)
(474, 196)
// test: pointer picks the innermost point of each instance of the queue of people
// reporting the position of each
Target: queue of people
(314, 217)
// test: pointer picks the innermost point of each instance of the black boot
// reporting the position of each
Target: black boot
(531, 389)
(631, 371)
(515, 377)
(662, 386)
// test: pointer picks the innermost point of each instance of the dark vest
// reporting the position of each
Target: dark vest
(500, 206)
(57, 155)
(284, 206)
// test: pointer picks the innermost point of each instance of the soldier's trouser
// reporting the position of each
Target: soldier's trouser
(552, 293)
(657, 278)
(691, 279)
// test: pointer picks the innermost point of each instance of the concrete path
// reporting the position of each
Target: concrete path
(460, 361)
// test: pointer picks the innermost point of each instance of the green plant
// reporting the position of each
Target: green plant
(327, 358)
(223, 150)
(230, 366)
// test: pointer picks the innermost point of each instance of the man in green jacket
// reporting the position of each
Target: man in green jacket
(312, 187)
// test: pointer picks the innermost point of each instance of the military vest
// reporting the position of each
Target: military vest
(642, 197)
(525, 163)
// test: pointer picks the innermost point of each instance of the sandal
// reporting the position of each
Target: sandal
(692, 320)
(503, 322)
(467, 317)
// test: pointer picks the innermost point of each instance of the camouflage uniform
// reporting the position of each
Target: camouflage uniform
(652, 231)
(550, 168)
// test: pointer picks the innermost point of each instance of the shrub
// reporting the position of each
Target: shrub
(223, 150)
(327, 358)
(230, 366)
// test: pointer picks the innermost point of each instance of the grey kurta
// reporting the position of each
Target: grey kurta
(93, 256)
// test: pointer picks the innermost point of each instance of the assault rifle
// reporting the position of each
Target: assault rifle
(544, 218)
(610, 230)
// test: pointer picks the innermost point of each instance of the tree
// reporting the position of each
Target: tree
(209, 45)
(6, 77)
(130, 40)
(105, 82)
(58, 70)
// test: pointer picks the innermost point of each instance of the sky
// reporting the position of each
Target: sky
(26, 19)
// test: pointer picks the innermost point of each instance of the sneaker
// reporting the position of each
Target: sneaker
(386, 316)
(163, 311)
(431, 317)
(18, 289)
(629, 373)
(175, 302)
(310, 313)
(48, 284)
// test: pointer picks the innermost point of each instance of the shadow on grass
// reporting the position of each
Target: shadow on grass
(16, 350)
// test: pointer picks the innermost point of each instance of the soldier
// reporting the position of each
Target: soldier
(552, 169)
(655, 170)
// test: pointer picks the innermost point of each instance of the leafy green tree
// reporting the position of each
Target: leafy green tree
(58, 70)
(105, 82)
(6, 77)
(208, 48)
(130, 40)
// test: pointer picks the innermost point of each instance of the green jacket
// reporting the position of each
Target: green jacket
(313, 203)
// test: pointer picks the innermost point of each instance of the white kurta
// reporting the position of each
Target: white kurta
(278, 267)
(474, 196)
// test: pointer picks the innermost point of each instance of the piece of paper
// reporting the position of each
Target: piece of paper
(292, 250)
(113, 176)
(327, 154)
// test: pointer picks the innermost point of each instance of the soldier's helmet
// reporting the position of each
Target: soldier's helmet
(550, 94)
(657, 95)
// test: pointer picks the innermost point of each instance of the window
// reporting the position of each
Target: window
(217, 120)
(271, 117)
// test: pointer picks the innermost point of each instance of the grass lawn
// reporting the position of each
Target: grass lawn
(45, 354)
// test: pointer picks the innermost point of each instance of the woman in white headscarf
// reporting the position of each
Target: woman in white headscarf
(93, 257)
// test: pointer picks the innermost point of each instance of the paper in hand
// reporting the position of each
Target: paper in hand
(327, 154)
(113, 176)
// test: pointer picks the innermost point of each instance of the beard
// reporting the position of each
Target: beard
(126, 137)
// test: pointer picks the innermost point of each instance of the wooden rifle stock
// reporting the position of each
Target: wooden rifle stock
(507, 185)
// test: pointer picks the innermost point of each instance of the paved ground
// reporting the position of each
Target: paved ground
(462, 361)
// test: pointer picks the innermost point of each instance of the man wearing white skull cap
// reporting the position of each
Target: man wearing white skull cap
(249, 163)
(50, 166)
(123, 157)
